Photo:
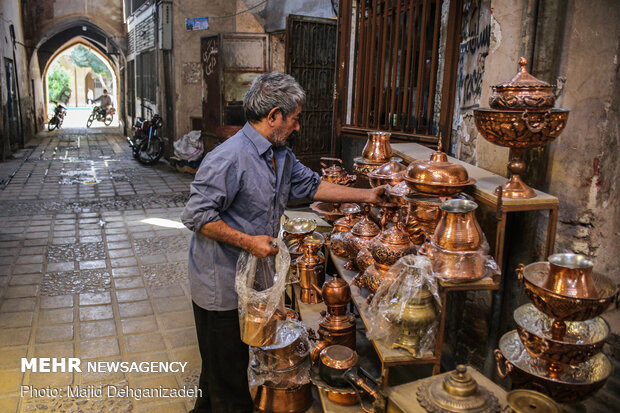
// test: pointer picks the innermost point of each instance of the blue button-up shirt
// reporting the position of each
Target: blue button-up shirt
(236, 183)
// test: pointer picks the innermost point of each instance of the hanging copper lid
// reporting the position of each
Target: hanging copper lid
(365, 227)
(458, 392)
(437, 176)
(390, 173)
(522, 92)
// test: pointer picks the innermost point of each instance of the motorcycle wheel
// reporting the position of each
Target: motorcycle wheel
(90, 120)
(108, 120)
(149, 154)
(52, 124)
(135, 149)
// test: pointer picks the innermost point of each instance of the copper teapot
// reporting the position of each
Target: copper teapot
(360, 237)
(335, 173)
(342, 226)
(391, 244)
(458, 229)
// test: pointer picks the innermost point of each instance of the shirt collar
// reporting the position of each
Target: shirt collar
(261, 143)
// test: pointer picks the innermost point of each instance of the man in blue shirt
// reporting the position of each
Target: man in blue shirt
(236, 200)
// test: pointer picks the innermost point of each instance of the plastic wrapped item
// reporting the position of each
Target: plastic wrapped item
(404, 312)
(189, 147)
(461, 266)
(286, 362)
(260, 284)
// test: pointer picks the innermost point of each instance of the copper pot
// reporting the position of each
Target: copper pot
(583, 339)
(571, 275)
(256, 329)
(438, 176)
(458, 229)
(360, 237)
(574, 384)
(522, 92)
(391, 245)
(390, 173)
(274, 399)
(377, 148)
(335, 173)
(457, 266)
(290, 348)
(414, 319)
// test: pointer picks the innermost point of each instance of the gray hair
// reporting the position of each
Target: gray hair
(271, 90)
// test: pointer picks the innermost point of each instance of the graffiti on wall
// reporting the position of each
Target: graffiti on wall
(473, 50)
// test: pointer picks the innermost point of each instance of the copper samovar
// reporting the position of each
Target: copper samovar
(337, 326)
(359, 237)
(311, 270)
(342, 226)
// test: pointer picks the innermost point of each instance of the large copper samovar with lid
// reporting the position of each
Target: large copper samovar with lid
(311, 270)
(360, 237)
(342, 226)
(337, 325)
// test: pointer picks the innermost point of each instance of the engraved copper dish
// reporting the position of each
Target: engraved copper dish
(335, 172)
(438, 176)
(560, 307)
(583, 339)
(530, 401)
(391, 244)
(360, 237)
(456, 266)
(571, 275)
(298, 228)
(522, 92)
(377, 148)
(282, 399)
(574, 384)
(414, 319)
(519, 130)
(342, 226)
(458, 392)
(458, 229)
(389, 173)
(424, 214)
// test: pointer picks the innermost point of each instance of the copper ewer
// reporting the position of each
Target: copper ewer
(311, 270)
(458, 229)
(377, 148)
(571, 275)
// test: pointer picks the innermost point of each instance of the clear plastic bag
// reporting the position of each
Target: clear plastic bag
(260, 285)
(405, 311)
(461, 266)
(286, 362)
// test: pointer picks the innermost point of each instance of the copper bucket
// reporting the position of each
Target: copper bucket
(273, 399)
(458, 229)
(377, 148)
(256, 329)
(571, 275)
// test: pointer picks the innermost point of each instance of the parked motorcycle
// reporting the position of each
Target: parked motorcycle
(57, 118)
(146, 143)
(101, 115)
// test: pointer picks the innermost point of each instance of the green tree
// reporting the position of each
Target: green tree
(83, 57)
(58, 82)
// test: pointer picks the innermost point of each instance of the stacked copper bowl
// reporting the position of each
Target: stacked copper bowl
(376, 152)
(556, 348)
(521, 117)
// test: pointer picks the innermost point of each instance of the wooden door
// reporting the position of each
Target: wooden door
(311, 59)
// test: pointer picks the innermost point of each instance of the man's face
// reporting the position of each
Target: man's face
(285, 127)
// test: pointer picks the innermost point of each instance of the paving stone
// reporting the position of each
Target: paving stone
(182, 338)
(98, 312)
(99, 348)
(60, 266)
(144, 343)
(27, 268)
(96, 329)
(11, 380)
(177, 320)
(95, 298)
(56, 316)
(120, 253)
(14, 337)
(135, 309)
(10, 358)
(26, 279)
(57, 301)
(22, 291)
(18, 304)
(165, 305)
(128, 282)
(42, 380)
(139, 324)
(105, 377)
(92, 265)
(30, 259)
(125, 272)
(136, 294)
(20, 319)
(57, 350)
(48, 334)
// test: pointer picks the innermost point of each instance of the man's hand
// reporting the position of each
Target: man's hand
(261, 247)
(377, 195)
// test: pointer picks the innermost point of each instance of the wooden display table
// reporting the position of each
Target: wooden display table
(403, 399)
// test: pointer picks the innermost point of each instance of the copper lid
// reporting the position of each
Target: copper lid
(338, 357)
(394, 235)
(390, 170)
(438, 171)
(365, 227)
(530, 401)
(523, 80)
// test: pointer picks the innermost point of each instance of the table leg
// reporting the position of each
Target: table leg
(551, 228)
(499, 241)
(385, 371)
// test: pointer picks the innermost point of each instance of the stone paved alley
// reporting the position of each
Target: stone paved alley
(92, 265)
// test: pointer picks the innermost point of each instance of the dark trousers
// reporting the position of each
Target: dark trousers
(224, 375)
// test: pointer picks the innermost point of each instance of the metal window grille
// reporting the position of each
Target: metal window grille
(131, 87)
(146, 76)
(390, 67)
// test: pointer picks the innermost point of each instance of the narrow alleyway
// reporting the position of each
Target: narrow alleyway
(92, 265)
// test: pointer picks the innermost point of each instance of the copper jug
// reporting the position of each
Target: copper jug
(571, 275)
(311, 270)
(377, 148)
(258, 330)
(414, 319)
(458, 229)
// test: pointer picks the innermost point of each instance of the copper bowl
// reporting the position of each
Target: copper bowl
(299, 228)
(583, 339)
(561, 307)
(522, 92)
(437, 176)
(457, 266)
(389, 173)
(280, 399)
(574, 384)
(520, 129)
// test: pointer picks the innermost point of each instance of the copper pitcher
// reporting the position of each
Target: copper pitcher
(377, 148)
(571, 275)
(458, 229)
(311, 270)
